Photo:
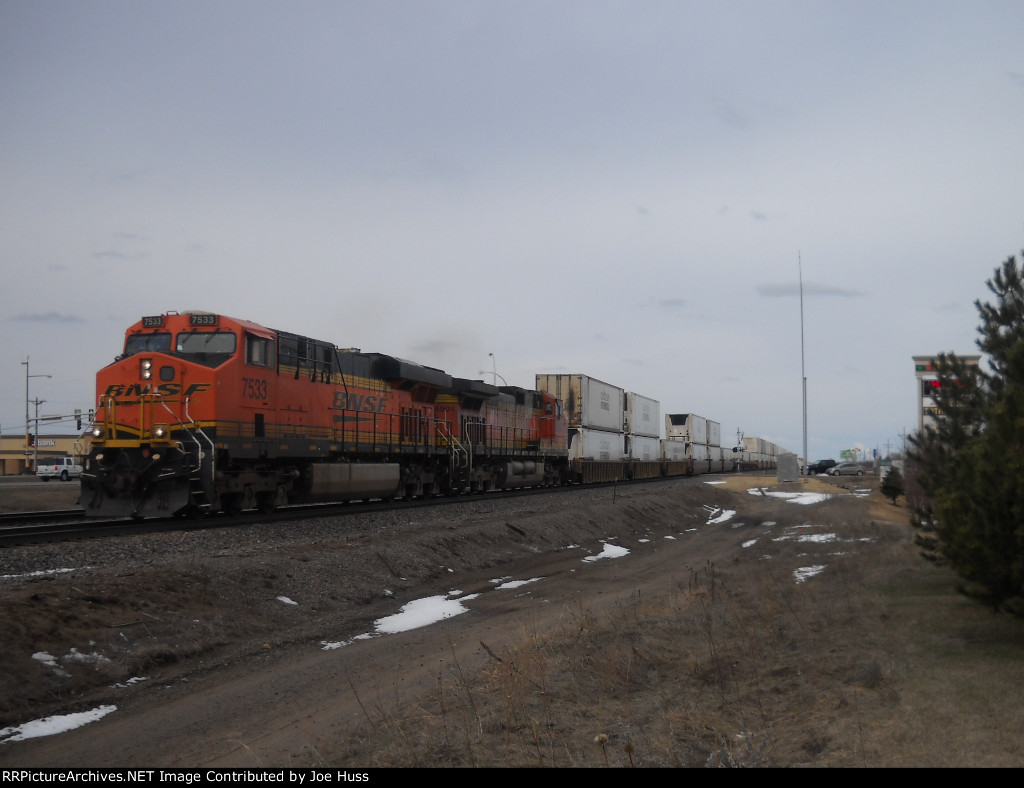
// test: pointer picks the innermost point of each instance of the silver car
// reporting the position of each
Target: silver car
(846, 469)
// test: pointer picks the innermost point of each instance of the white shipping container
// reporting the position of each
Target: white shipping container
(698, 451)
(643, 416)
(714, 433)
(688, 426)
(588, 403)
(643, 447)
(596, 445)
(673, 450)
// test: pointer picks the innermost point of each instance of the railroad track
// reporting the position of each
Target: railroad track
(24, 528)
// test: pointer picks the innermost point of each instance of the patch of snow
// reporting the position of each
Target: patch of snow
(49, 726)
(805, 572)
(820, 538)
(726, 514)
(518, 583)
(421, 613)
(77, 656)
(792, 497)
(609, 551)
(40, 573)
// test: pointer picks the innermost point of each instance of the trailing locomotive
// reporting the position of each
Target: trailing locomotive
(202, 412)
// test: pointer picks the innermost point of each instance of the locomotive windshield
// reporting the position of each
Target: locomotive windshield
(157, 342)
(210, 348)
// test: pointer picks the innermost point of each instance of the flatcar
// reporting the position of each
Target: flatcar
(202, 412)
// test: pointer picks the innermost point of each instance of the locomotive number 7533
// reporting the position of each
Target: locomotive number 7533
(254, 388)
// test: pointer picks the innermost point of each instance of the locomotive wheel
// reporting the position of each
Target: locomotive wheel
(231, 503)
(190, 512)
(266, 502)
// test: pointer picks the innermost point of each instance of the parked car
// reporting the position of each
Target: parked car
(821, 466)
(63, 468)
(846, 469)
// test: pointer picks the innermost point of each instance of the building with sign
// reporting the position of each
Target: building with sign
(927, 372)
(16, 457)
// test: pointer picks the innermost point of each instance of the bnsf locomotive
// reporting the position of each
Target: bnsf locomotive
(203, 412)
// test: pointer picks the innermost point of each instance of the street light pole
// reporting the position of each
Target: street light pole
(803, 373)
(27, 421)
(494, 371)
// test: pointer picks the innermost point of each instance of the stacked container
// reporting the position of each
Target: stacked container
(594, 410)
(642, 425)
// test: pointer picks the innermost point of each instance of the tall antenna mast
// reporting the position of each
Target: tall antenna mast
(803, 373)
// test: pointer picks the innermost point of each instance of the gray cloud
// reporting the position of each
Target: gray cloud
(48, 317)
(810, 288)
(110, 254)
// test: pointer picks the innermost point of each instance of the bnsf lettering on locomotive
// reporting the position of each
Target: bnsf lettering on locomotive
(368, 403)
(164, 389)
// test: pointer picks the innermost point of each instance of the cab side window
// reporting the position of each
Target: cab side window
(259, 352)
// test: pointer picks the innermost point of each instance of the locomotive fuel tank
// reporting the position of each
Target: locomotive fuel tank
(347, 481)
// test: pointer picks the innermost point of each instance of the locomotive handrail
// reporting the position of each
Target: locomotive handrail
(458, 456)
(199, 429)
(453, 443)
(185, 427)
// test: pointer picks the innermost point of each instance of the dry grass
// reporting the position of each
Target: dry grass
(875, 661)
(862, 665)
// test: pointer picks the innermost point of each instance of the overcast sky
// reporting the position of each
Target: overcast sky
(627, 190)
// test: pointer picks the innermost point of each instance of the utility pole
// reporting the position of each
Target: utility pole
(803, 373)
(35, 443)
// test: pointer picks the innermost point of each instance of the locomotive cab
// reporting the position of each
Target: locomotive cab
(153, 439)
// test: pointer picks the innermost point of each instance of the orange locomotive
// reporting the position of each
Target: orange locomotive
(203, 413)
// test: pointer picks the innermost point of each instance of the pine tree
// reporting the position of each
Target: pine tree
(892, 485)
(971, 464)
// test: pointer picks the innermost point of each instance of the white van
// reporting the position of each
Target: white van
(63, 468)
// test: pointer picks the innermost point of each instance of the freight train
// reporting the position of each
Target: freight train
(202, 412)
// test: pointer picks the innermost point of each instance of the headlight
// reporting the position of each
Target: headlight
(146, 369)
(160, 431)
(96, 431)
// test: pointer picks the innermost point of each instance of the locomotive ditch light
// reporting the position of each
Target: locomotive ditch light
(146, 369)
(96, 431)
(160, 431)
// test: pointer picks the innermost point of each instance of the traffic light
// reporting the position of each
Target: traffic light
(78, 418)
